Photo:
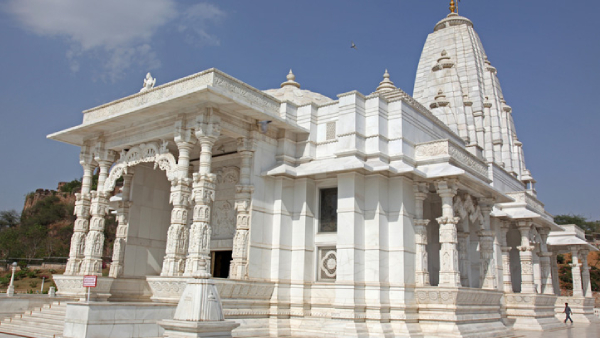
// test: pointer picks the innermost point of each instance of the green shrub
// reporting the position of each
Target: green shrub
(22, 265)
(31, 274)
(4, 281)
(52, 271)
(33, 284)
(20, 274)
(72, 186)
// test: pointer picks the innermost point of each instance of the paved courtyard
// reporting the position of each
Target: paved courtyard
(576, 330)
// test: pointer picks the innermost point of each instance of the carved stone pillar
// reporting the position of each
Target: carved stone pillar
(507, 281)
(463, 258)
(576, 272)
(243, 200)
(177, 235)
(118, 258)
(486, 240)
(585, 274)
(545, 257)
(82, 210)
(94, 242)
(488, 275)
(198, 259)
(449, 269)
(420, 224)
(554, 269)
(526, 256)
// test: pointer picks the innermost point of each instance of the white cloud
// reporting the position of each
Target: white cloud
(116, 31)
(194, 23)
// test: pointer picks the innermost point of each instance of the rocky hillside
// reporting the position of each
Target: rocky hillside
(45, 226)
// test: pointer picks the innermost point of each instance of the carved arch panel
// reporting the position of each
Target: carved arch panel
(142, 153)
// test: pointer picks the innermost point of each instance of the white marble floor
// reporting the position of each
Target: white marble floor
(576, 330)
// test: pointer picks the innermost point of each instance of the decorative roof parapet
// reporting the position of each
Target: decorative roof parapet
(532, 202)
(400, 95)
(435, 150)
(211, 77)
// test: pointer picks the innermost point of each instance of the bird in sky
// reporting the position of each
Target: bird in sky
(353, 45)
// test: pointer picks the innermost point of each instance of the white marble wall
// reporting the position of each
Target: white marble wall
(149, 219)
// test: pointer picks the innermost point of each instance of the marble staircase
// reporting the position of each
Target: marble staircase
(44, 322)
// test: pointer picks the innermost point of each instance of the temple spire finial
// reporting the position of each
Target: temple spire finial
(453, 7)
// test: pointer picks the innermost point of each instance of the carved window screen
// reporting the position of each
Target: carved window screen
(330, 134)
(327, 264)
(328, 210)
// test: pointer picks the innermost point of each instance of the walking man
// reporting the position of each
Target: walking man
(568, 313)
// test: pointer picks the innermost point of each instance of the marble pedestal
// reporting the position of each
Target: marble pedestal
(72, 287)
(531, 311)
(582, 307)
(460, 312)
(199, 313)
(115, 319)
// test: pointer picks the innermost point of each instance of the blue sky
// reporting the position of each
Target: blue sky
(59, 57)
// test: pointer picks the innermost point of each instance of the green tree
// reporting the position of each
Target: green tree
(40, 224)
(71, 187)
(9, 243)
(9, 218)
(580, 221)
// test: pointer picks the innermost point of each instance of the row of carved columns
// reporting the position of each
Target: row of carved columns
(455, 264)
(454, 256)
(582, 286)
(187, 251)
(535, 278)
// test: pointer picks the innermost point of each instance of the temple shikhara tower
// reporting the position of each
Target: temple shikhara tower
(286, 213)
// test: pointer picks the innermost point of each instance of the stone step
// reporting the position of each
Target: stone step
(52, 324)
(29, 331)
(47, 321)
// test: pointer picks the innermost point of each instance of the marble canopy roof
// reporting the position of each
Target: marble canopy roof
(207, 88)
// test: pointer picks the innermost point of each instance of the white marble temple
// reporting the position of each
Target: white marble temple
(288, 213)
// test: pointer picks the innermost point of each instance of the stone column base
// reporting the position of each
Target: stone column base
(187, 329)
(531, 311)
(460, 312)
(72, 287)
(582, 307)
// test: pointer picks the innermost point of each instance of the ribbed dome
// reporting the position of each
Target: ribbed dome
(460, 85)
(290, 91)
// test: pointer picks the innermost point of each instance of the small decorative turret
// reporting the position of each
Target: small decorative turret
(443, 62)
(290, 81)
(386, 85)
(505, 106)
(440, 100)
(488, 65)
(487, 103)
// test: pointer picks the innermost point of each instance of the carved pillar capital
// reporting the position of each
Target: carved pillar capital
(208, 127)
(246, 145)
(446, 188)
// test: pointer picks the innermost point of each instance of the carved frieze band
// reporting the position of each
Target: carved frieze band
(430, 150)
